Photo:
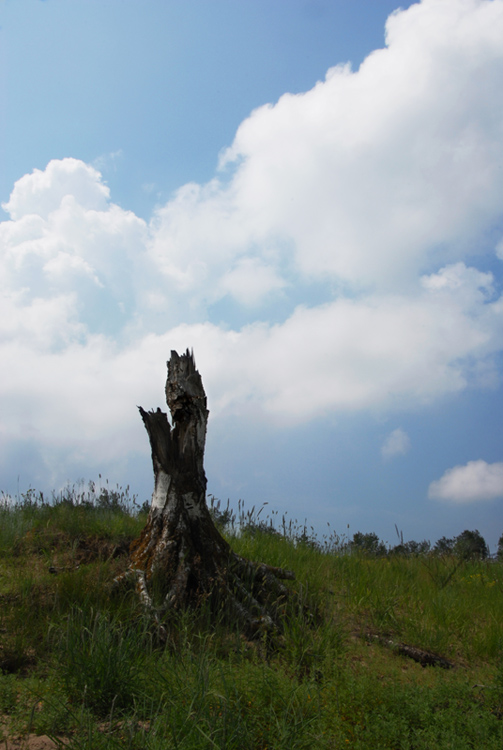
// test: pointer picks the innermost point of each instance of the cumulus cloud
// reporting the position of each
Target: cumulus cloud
(357, 208)
(475, 482)
(250, 281)
(373, 175)
(66, 241)
(42, 192)
(370, 170)
(396, 444)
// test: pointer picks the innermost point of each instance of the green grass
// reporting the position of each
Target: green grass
(81, 661)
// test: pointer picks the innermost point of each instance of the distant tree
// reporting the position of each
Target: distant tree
(419, 548)
(253, 527)
(398, 549)
(499, 553)
(444, 546)
(369, 544)
(471, 545)
(412, 548)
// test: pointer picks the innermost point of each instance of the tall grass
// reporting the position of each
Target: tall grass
(81, 660)
(102, 661)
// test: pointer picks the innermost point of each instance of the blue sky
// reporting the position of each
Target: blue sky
(309, 194)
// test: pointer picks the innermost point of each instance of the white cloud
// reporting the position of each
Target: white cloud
(475, 482)
(373, 187)
(371, 176)
(396, 444)
(67, 241)
(42, 192)
(370, 170)
(341, 356)
(250, 281)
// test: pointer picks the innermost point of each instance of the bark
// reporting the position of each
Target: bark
(425, 658)
(181, 559)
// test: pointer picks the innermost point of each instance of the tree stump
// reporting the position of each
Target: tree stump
(180, 559)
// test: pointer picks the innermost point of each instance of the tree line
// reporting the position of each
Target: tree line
(469, 545)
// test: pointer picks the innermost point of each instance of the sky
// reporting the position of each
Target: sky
(308, 194)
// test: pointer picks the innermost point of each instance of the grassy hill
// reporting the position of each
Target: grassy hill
(81, 661)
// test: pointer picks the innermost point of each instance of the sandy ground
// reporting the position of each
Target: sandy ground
(30, 742)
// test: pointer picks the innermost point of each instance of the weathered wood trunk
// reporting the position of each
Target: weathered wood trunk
(180, 557)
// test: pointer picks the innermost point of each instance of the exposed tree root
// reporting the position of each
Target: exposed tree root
(425, 658)
(250, 595)
(176, 571)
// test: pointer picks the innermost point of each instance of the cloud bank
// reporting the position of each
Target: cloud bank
(476, 482)
(330, 265)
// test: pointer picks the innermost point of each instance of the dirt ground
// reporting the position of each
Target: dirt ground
(30, 742)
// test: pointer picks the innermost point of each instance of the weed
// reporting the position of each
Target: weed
(79, 661)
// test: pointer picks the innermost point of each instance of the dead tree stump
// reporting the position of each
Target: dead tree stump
(180, 559)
